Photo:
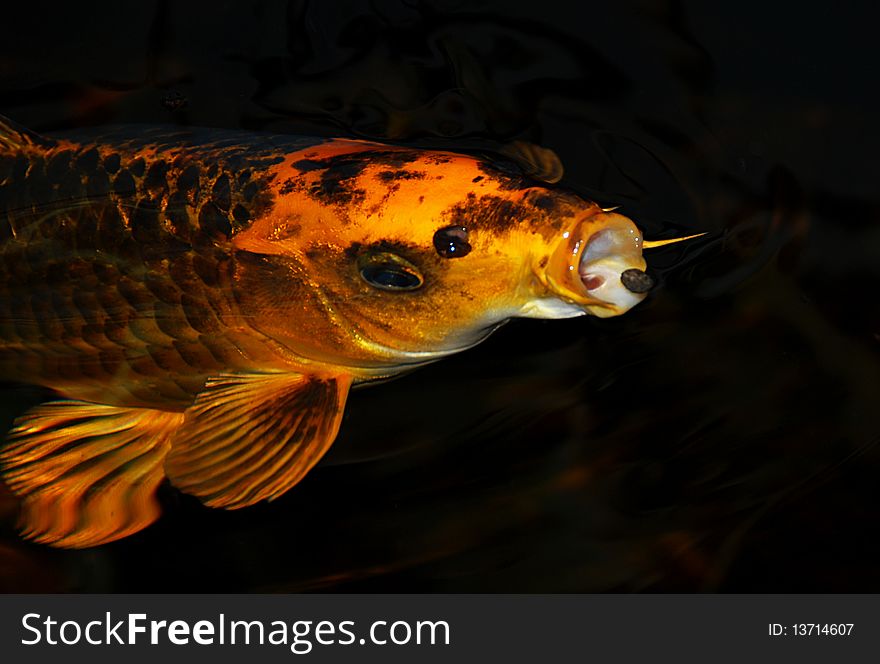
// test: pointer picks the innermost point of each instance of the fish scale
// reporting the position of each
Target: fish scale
(115, 267)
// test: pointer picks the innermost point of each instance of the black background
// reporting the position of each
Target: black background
(722, 436)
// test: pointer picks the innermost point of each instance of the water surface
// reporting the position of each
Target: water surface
(722, 436)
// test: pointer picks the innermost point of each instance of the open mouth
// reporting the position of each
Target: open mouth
(604, 265)
(605, 260)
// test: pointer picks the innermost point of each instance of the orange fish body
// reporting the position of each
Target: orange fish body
(202, 301)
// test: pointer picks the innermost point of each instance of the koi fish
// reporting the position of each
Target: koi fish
(202, 301)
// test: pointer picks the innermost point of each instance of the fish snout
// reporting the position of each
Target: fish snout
(600, 266)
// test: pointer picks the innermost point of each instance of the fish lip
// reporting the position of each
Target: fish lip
(587, 265)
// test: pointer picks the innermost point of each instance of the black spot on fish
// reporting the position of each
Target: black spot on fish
(336, 184)
(557, 206)
(68, 187)
(477, 179)
(221, 193)
(59, 165)
(288, 186)
(124, 184)
(241, 215)
(250, 191)
(403, 174)
(155, 181)
(97, 185)
(489, 212)
(351, 251)
(111, 163)
(188, 179)
(137, 167)
(308, 165)
(507, 174)
(88, 161)
(545, 202)
(177, 215)
(244, 176)
(213, 222)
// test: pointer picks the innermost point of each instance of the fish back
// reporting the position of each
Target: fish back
(115, 260)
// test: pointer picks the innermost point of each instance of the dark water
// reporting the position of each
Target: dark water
(722, 436)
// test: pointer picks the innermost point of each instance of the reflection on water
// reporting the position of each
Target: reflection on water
(722, 436)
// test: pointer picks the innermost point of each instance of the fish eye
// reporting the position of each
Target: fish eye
(389, 272)
(452, 242)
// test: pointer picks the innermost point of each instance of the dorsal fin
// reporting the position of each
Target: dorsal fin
(535, 161)
(14, 137)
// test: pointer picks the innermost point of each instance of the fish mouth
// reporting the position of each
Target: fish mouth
(599, 266)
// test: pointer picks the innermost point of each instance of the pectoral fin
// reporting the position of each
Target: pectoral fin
(87, 473)
(251, 437)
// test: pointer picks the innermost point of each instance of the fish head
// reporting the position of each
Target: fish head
(384, 257)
